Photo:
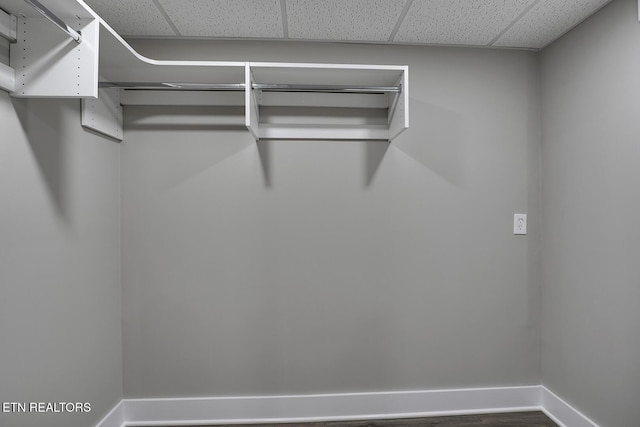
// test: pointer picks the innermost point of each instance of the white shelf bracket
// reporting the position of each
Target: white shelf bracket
(104, 114)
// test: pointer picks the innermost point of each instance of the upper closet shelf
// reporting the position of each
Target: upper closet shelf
(332, 87)
(47, 62)
(119, 62)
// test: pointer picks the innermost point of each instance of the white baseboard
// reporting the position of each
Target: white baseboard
(562, 413)
(115, 417)
(341, 407)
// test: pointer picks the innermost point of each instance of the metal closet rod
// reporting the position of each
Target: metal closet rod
(267, 87)
(55, 20)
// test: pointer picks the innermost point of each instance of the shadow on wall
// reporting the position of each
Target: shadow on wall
(433, 139)
(211, 135)
(207, 136)
(185, 118)
(373, 154)
(265, 152)
(42, 123)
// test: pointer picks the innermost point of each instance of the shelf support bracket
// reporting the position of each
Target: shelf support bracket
(104, 113)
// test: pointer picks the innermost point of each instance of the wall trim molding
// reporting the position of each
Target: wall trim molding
(562, 413)
(115, 417)
(342, 407)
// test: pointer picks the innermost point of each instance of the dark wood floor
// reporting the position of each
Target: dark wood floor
(515, 419)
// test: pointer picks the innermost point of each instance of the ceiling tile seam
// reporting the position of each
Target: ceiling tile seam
(396, 28)
(167, 17)
(285, 21)
(514, 22)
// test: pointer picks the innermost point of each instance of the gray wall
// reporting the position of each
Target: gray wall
(590, 199)
(60, 294)
(306, 266)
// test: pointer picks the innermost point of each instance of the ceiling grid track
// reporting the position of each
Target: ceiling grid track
(407, 6)
(167, 17)
(285, 22)
(514, 22)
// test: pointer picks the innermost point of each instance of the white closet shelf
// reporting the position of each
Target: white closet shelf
(393, 98)
(119, 62)
(48, 63)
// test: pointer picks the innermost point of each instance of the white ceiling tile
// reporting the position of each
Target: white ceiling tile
(226, 18)
(367, 20)
(468, 22)
(547, 21)
(515, 23)
(132, 18)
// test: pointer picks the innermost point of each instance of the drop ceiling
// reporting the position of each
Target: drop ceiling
(524, 24)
